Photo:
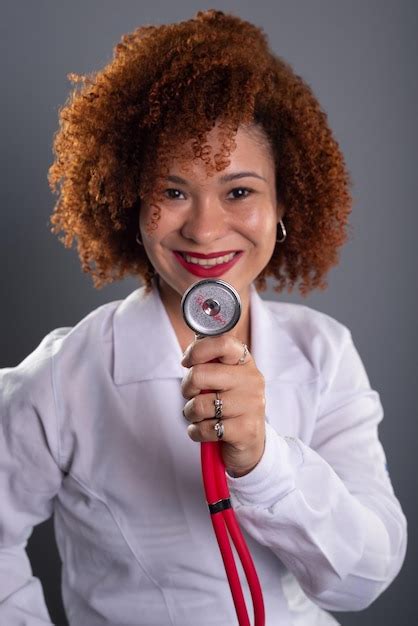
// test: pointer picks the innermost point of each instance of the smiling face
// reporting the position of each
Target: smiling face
(221, 226)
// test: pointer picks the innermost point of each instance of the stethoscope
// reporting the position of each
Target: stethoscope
(213, 307)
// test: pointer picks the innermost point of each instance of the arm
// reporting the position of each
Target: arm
(29, 479)
(328, 510)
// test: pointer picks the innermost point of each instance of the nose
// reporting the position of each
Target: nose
(205, 221)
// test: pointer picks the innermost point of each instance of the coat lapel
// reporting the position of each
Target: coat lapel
(146, 346)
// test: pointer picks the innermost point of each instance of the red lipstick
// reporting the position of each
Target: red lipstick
(207, 272)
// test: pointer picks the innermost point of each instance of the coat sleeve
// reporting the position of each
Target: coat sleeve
(328, 510)
(30, 477)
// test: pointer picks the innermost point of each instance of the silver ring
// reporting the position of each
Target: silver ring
(218, 406)
(242, 359)
(219, 429)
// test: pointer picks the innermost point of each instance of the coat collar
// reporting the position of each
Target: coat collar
(146, 346)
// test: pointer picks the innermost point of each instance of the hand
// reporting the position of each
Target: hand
(241, 389)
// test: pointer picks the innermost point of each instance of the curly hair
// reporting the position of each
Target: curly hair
(120, 126)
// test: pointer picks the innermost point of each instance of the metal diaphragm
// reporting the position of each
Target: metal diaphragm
(211, 307)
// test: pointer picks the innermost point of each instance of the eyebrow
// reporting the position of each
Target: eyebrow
(222, 179)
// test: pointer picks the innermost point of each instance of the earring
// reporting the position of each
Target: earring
(137, 239)
(284, 234)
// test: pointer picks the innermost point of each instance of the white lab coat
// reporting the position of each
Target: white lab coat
(92, 430)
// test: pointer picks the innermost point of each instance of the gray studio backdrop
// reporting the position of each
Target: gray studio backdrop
(361, 60)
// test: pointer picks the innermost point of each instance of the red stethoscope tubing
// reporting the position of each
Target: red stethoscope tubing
(216, 489)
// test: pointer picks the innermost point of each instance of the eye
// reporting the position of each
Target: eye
(247, 191)
(171, 193)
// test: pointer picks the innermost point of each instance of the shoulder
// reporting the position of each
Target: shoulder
(318, 335)
(301, 317)
(32, 378)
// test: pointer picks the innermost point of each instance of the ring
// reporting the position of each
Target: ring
(219, 429)
(218, 406)
(242, 359)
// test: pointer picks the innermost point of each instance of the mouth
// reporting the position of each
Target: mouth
(208, 265)
(214, 258)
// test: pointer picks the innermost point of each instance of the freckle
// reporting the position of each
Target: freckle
(151, 225)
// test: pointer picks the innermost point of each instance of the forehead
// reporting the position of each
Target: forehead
(252, 153)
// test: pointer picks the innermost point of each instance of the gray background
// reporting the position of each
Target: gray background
(361, 60)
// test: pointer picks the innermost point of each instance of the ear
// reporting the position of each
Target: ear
(280, 211)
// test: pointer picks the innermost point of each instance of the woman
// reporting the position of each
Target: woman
(197, 152)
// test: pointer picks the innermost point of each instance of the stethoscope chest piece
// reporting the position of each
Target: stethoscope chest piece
(211, 307)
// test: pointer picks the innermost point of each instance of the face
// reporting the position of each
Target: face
(219, 226)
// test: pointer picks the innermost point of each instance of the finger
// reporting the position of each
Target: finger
(205, 431)
(202, 407)
(226, 348)
(248, 382)
(240, 433)
(208, 376)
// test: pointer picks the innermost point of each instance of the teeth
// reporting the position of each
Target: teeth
(209, 262)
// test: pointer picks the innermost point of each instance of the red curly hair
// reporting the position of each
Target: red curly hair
(173, 82)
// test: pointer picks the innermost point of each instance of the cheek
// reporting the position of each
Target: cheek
(149, 219)
(260, 226)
